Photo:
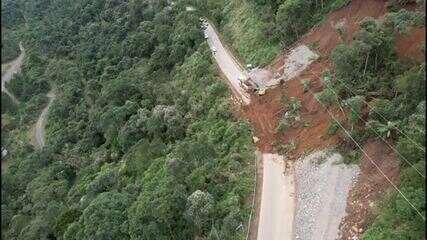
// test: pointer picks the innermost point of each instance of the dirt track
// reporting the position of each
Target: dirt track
(13, 67)
(10, 69)
(39, 131)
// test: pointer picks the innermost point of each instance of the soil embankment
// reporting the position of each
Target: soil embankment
(368, 187)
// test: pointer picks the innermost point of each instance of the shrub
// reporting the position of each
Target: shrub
(352, 157)
(382, 108)
(403, 18)
(355, 105)
(332, 128)
(326, 97)
(305, 84)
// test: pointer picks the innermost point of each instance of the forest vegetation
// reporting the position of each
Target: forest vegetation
(141, 143)
(141, 139)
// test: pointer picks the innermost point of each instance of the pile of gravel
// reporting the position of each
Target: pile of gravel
(322, 187)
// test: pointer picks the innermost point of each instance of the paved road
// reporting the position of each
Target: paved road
(15, 66)
(227, 64)
(277, 200)
(39, 131)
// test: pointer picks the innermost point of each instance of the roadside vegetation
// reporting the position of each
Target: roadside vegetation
(257, 29)
(140, 144)
(368, 75)
(9, 45)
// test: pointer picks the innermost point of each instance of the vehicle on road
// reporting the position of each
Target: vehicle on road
(3, 152)
(250, 86)
(214, 50)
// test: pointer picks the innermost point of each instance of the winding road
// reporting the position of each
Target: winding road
(11, 68)
(14, 67)
(39, 130)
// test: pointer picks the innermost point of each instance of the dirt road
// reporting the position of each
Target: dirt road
(39, 131)
(277, 200)
(12, 68)
(227, 64)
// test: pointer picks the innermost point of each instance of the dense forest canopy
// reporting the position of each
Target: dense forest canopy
(9, 45)
(141, 143)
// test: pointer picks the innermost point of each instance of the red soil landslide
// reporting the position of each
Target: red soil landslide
(326, 37)
(264, 111)
(408, 46)
(312, 135)
(369, 187)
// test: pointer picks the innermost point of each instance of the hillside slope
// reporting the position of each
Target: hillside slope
(140, 141)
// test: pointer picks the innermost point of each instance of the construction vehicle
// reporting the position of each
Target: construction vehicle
(261, 91)
(250, 86)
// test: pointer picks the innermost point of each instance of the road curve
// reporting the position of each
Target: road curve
(39, 130)
(227, 63)
(15, 66)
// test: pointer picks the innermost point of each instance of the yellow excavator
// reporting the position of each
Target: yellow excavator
(250, 86)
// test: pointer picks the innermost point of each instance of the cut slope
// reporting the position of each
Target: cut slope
(368, 187)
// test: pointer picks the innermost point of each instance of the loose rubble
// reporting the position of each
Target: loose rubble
(322, 186)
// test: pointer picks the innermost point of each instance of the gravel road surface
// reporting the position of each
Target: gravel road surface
(322, 187)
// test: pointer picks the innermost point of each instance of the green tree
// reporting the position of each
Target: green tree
(199, 208)
(104, 218)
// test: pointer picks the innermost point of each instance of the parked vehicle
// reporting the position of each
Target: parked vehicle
(3, 152)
